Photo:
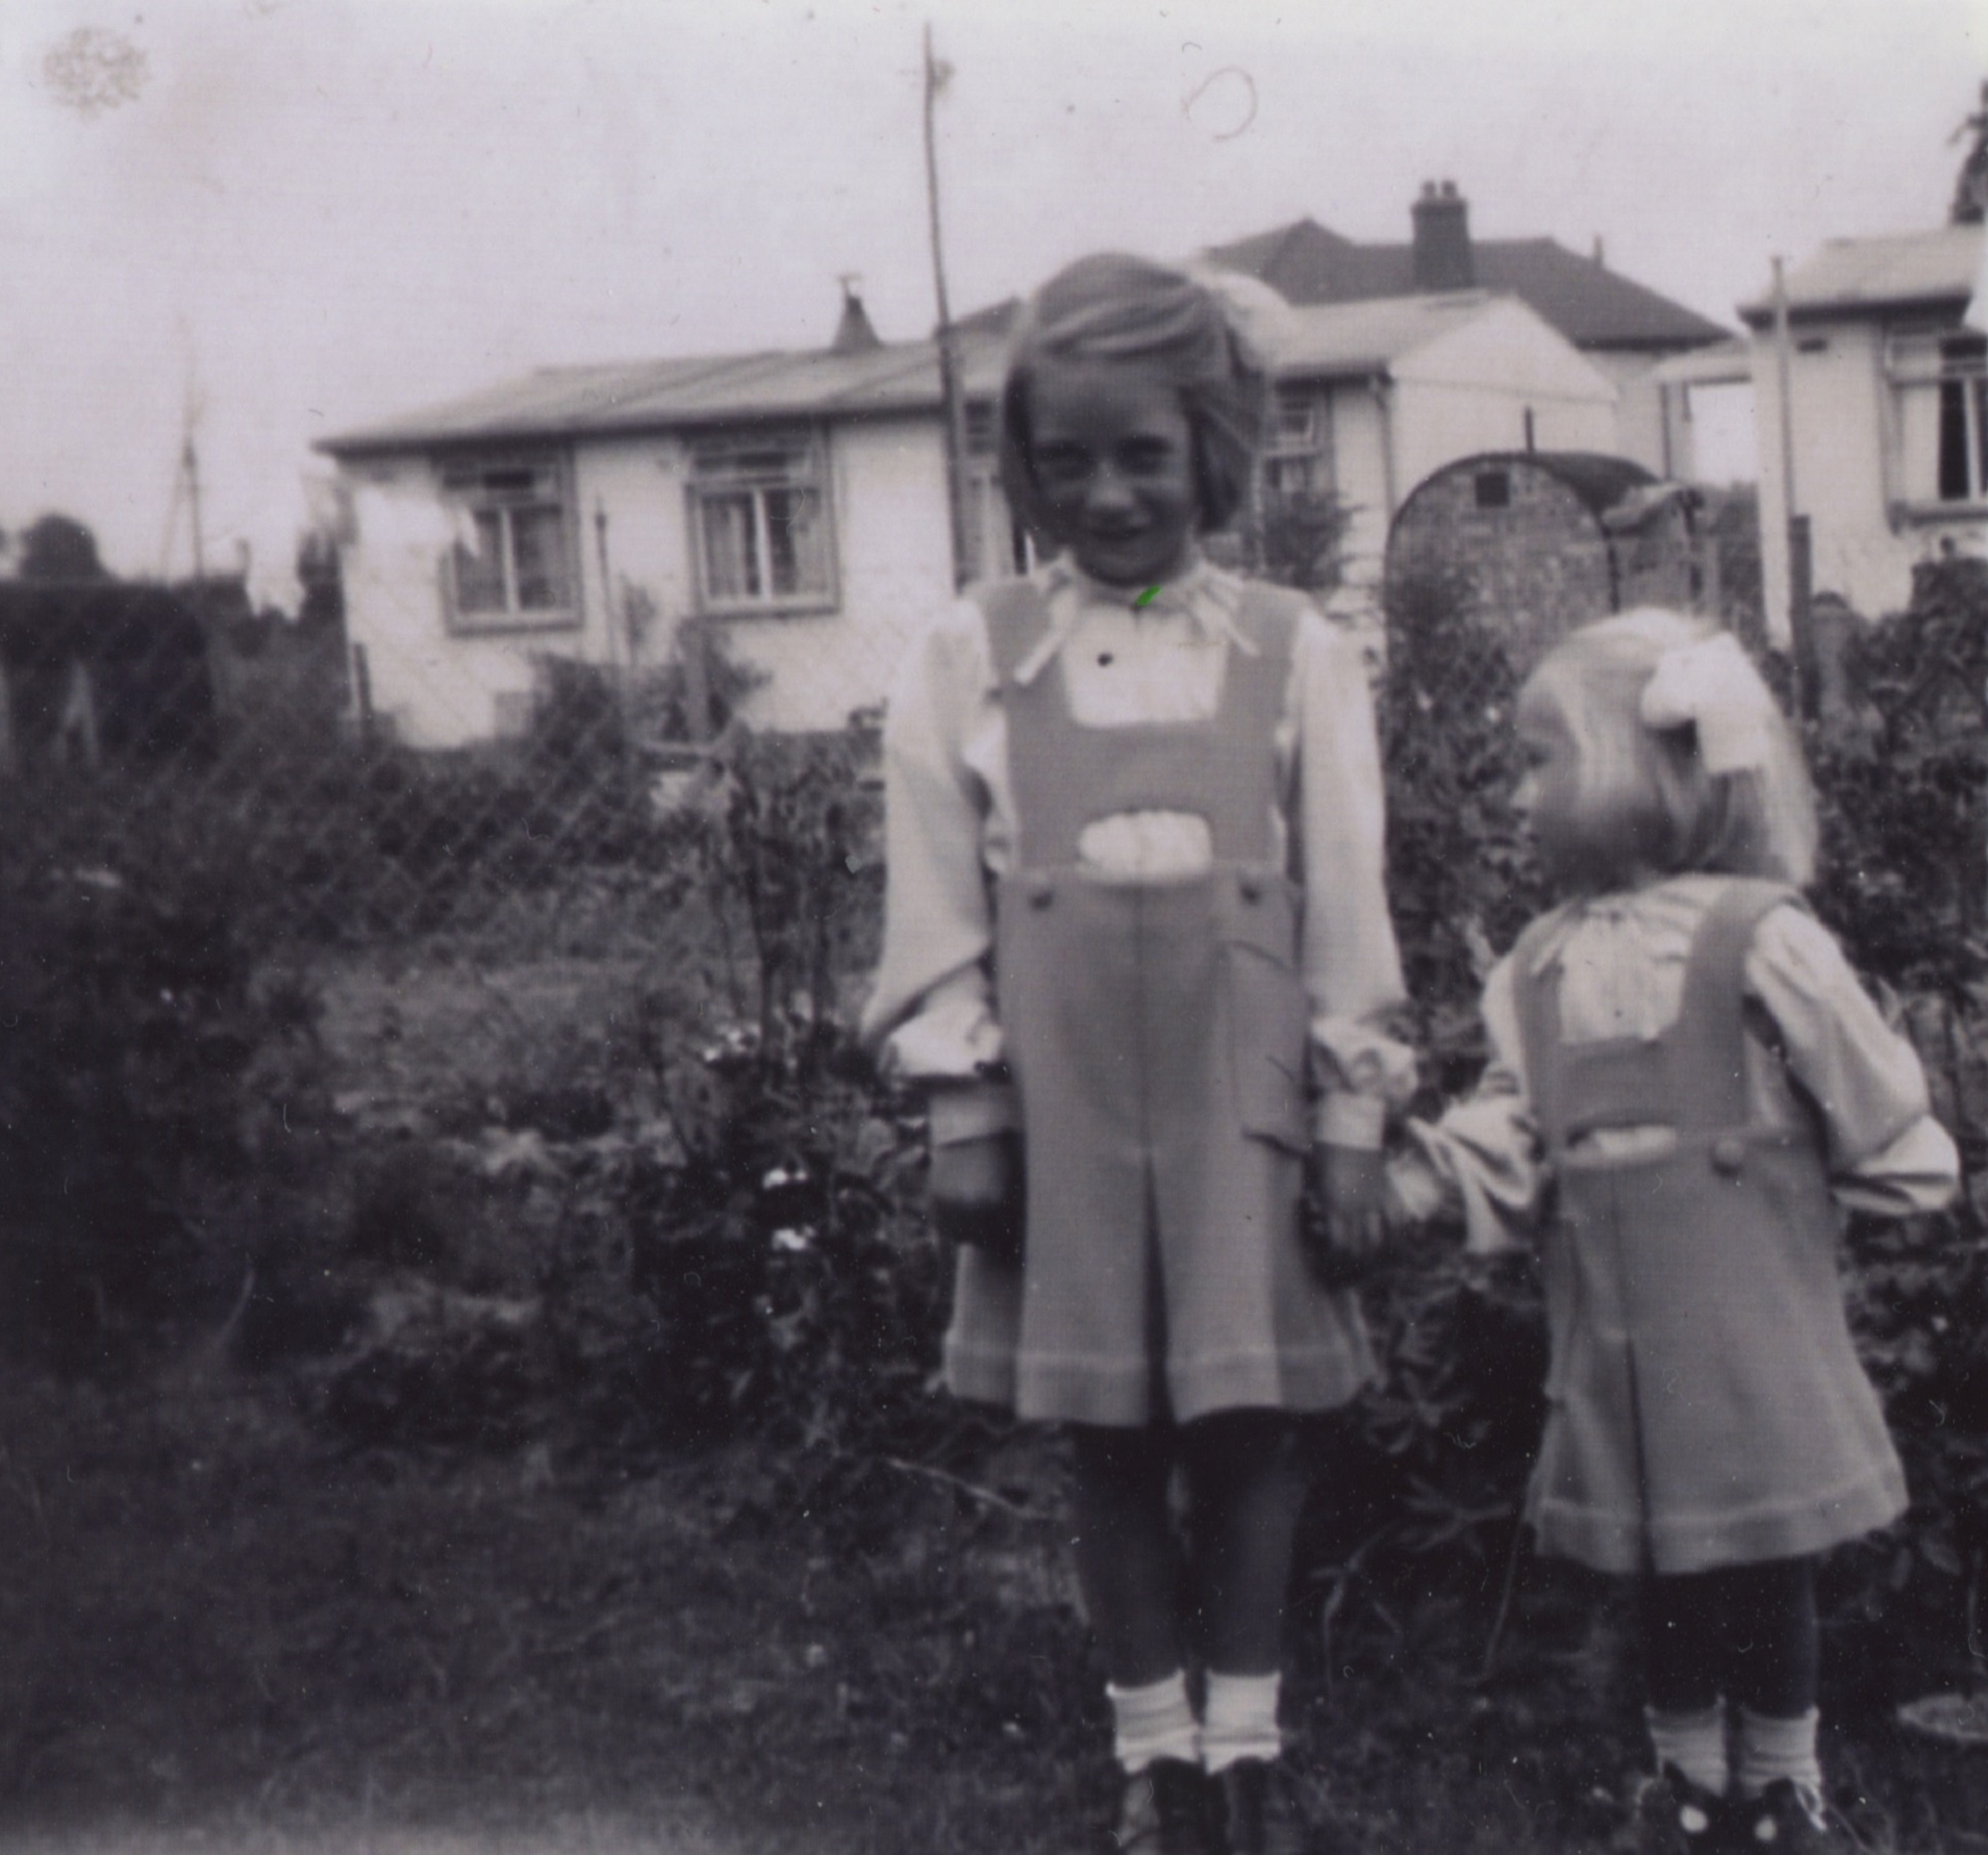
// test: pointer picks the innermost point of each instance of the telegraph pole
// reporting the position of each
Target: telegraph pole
(954, 409)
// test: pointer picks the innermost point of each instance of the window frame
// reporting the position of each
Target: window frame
(722, 463)
(467, 483)
(1307, 442)
(1943, 367)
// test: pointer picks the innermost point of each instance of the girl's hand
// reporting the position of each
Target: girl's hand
(1345, 1226)
(976, 1193)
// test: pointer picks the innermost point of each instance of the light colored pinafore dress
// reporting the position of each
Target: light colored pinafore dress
(1157, 1038)
(1706, 1405)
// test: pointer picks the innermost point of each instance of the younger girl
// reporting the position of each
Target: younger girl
(1134, 918)
(1685, 1074)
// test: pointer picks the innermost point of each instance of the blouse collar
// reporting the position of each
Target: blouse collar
(1202, 592)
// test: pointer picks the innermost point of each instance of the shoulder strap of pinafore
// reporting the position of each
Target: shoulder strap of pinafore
(1017, 615)
(1710, 1034)
(1537, 1007)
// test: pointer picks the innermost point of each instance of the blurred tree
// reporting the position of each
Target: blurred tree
(58, 547)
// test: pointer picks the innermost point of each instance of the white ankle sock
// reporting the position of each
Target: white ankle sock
(1693, 1742)
(1239, 1720)
(1154, 1722)
(1771, 1748)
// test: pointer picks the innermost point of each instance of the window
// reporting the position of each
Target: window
(1493, 489)
(760, 513)
(519, 567)
(1940, 379)
(1297, 453)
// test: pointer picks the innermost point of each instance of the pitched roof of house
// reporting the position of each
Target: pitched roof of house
(1358, 339)
(1323, 341)
(1930, 268)
(1592, 305)
(648, 396)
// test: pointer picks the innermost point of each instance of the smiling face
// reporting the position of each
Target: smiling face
(1113, 458)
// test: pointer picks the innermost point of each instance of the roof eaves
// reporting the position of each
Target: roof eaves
(1760, 314)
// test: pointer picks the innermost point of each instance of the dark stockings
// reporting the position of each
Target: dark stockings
(1748, 1631)
(1245, 1486)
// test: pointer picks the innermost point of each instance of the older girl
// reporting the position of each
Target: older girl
(1137, 950)
(1687, 1082)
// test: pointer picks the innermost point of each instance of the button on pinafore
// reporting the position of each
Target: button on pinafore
(1706, 1405)
(1157, 1036)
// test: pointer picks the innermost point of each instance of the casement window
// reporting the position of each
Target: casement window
(1297, 450)
(996, 541)
(514, 564)
(759, 504)
(1940, 381)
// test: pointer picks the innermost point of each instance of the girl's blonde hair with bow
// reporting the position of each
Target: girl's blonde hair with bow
(1682, 759)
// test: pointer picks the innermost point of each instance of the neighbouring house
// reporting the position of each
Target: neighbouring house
(797, 502)
(1537, 542)
(1884, 423)
(1624, 329)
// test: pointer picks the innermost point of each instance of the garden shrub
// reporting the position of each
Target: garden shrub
(762, 1264)
(1903, 782)
(127, 988)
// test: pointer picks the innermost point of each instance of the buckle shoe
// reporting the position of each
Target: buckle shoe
(1674, 1816)
(1166, 1809)
(1262, 1812)
(1786, 1818)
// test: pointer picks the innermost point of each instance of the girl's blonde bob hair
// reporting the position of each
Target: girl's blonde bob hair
(1633, 801)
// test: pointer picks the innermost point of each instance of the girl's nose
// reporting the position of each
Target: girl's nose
(1107, 491)
(1526, 795)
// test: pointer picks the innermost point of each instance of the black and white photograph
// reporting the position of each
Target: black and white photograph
(951, 928)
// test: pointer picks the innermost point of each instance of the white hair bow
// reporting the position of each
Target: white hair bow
(1712, 684)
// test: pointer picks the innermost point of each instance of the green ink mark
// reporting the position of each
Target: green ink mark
(1145, 598)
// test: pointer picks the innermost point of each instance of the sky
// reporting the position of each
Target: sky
(262, 222)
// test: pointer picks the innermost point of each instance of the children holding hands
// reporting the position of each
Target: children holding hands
(1137, 951)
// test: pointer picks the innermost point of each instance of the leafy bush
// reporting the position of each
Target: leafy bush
(765, 1271)
(127, 985)
(1462, 879)
(1903, 779)
(759, 1261)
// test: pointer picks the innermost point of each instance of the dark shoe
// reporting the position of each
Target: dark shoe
(1262, 1813)
(1674, 1816)
(1166, 1809)
(1784, 1819)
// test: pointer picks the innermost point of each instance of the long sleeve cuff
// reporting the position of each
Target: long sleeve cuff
(1341, 1119)
(972, 1111)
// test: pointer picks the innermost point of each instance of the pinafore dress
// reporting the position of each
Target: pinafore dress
(1157, 1038)
(1706, 1405)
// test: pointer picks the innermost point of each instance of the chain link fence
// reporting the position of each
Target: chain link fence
(462, 915)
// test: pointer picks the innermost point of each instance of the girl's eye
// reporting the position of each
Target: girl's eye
(1060, 463)
(1147, 455)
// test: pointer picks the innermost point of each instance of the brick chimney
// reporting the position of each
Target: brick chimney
(1443, 257)
(853, 334)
